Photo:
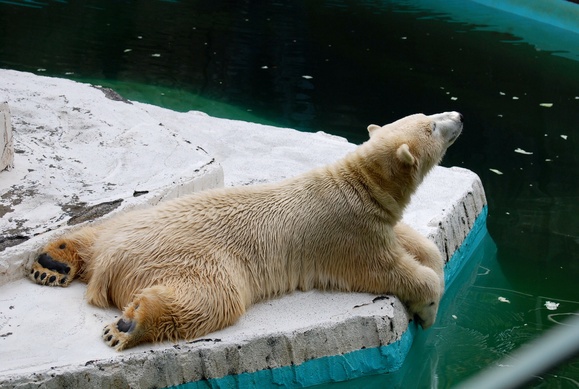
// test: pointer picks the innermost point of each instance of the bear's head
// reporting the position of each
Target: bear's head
(412, 146)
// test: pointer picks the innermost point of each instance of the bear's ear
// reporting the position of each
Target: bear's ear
(372, 128)
(404, 155)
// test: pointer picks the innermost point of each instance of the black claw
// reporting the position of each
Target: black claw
(52, 279)
(115, 343)
(42, 276)
(109, 338)
(47, 262)
(36, 274)
(107, 331)
(31, 271)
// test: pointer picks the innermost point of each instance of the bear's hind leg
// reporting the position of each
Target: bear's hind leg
(173, 313)
(149, 314)
(63, 259)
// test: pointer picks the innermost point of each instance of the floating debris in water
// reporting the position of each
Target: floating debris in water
(551, 306)
(264, 67)
(515, 98)
(454, 98)
(546, 105)
(128, 50)
(454, 317)
(564, 137)
(502, 93)
(504, 300)
(155, 55)
(41, 70)
(496, 171)
(307, 77)
(521, 151)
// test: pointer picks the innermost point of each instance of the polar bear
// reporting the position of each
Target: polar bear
(193, 265)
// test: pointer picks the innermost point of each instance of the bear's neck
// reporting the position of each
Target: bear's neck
(386, 189)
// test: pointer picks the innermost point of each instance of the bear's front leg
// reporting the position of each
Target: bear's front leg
(425, 291)
(424, 250)
(60, 261)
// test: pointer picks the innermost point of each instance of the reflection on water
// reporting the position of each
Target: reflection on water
(337, 66)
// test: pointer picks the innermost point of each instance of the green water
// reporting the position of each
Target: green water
(337, 66)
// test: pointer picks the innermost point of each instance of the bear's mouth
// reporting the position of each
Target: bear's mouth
(451, 141)
(454, 136)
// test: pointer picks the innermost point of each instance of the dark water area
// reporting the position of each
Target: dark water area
(337, 66)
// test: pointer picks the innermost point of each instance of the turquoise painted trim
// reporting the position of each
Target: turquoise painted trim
(351, 365)
(464, 252)
(333, 368)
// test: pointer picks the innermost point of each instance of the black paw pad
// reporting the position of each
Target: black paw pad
(47, 262)
(125, 325)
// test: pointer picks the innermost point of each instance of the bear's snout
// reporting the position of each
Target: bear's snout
(448, 126)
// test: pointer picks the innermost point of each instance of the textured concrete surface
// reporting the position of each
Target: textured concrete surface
(6, 144)
(50, 337)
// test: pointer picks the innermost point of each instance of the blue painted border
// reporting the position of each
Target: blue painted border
(469, 244)
(354, 364)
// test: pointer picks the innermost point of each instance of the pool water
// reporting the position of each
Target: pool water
(337, 66)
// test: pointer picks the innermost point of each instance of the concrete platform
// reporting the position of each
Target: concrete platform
(6, 144)
(50, 337)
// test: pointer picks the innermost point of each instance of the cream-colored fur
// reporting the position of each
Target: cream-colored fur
(193, 265)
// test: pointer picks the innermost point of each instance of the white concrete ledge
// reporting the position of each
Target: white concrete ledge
(50, 337)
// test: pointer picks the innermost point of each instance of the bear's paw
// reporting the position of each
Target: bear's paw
(47, 271)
